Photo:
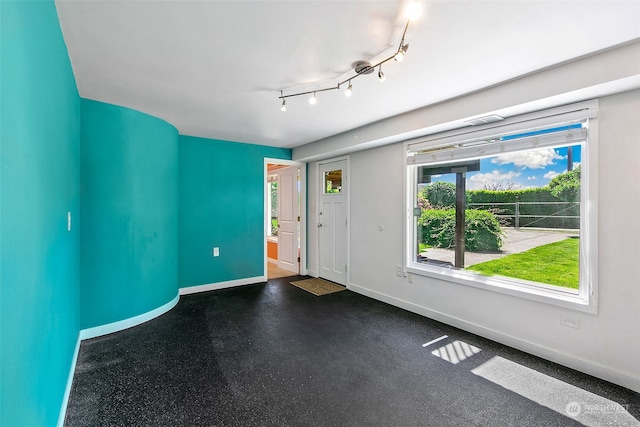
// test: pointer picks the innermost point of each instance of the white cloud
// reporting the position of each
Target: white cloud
(535, 159)
(550, 174)
(481, 180)
(531, 178)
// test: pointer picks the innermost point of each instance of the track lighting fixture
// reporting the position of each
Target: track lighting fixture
(413, 11)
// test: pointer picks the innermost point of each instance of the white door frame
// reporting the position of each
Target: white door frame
(303, 210)
(318, 193)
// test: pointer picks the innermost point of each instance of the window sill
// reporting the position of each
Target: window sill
(521, 289)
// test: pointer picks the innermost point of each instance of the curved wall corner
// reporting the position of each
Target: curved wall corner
(129, 208)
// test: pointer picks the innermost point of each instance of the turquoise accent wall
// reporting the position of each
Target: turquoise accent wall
(118, 170)
(221, 202)
(129, 205)
(39, 184)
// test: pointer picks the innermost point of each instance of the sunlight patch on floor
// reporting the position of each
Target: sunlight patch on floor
(455, 352)
(566, 399)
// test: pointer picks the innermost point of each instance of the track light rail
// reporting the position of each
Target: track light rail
(364, 67)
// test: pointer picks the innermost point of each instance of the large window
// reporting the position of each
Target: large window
(508, 206)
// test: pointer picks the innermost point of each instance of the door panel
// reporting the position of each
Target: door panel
(332, 222)
(288, 219)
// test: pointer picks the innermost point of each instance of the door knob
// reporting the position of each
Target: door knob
(319, 225)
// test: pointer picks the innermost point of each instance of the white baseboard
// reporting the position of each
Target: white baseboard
(128, 323)
(272, 260)
(600, 371)
(67, 390)
(137, 320)
(145, 317)
(222, 285)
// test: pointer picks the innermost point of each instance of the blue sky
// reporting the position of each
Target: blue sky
(524, 169)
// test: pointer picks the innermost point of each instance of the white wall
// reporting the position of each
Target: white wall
(601, 74)
(607, 343)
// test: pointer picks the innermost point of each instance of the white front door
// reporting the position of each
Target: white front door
(332, 221)
(288, 219)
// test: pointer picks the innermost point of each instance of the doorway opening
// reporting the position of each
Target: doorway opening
(284, 218)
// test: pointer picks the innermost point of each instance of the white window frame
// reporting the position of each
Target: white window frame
(586, 298)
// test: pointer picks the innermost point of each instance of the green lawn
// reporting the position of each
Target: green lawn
(554, 264)
(423, 247)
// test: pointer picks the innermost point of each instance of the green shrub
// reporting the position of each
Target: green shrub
(438, 227)
(481, 229)
(441, 195)
(566, 186)
(541, 194)
(531, 211)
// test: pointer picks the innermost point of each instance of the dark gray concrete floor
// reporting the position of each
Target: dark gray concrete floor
(275, 355)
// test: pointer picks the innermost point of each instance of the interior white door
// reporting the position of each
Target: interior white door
(332, 221)
(288, 219)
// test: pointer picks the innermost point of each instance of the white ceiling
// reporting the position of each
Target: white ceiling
(215, 68)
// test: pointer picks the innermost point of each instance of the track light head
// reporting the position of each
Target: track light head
(349, 90)
(313, 100)
(401, 53)
(381, 76)
(283, 107)
(413, 10)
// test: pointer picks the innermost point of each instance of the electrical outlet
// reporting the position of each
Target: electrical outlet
(216, 251)
(570, 320)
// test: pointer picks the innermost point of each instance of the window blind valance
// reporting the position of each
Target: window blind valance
(557, 127)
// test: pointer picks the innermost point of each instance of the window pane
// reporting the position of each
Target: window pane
(333, 181)
(513, 215)
(274, 208)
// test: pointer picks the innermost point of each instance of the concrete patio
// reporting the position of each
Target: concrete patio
(514, 241)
